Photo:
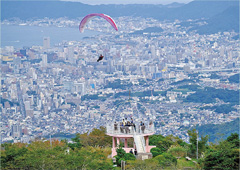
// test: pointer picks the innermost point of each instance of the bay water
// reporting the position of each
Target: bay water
(26, 36)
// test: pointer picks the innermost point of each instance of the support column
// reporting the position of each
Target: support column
(147, 143)
(118, 141)
(113, 142)
(114, 153)
(125, 143)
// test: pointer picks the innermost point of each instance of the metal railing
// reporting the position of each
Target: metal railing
(113, 128)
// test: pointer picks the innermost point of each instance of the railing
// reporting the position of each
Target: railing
(113, 128)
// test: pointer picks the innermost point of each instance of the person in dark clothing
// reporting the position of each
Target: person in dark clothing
(127, 129)
(143, 128)
(134, 126)
(115, 126)
(135, 152)
(121, 127)
(132, 120)
(100, 58)
(131, 151)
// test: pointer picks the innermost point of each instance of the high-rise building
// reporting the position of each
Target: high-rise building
(23, 52)
(153, 51)
(46, 42)
(68, 85)
(79, 88)
(44, 60)
(16, 131)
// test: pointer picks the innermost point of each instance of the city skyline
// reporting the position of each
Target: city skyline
(178, 77)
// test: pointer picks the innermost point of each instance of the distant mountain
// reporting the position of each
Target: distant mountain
(221, 14)
(54, 9)
(219, 131)
(201, 9)
(175, 5)
(227, 20)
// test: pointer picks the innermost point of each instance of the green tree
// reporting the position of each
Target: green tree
(11, 154)
(202, 144)
(154, 139)
(149, 164)
(166, 160)
(42, 155)
(76, 142)
(178, 151)
(156, 151)
(223, 157)
(129, 156)
(120, 155)
(97, 137)
(234, 140)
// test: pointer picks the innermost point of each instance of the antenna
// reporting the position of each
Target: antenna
(50, 141)
(129, 95)
(197, 144)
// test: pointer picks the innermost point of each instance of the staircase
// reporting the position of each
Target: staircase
(140, 143)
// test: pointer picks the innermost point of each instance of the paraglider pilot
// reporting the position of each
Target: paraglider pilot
(100, 58)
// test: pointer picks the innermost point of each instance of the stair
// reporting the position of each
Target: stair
(139, 142)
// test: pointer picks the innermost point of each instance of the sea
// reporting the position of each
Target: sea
(20, 36)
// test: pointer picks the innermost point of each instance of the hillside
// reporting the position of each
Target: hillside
(92, 151)
(201, 9)
(220, 131)
(226, 21)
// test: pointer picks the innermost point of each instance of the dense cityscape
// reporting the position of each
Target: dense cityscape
(61, 88)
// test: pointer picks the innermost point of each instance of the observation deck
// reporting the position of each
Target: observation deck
(119, 131)
(140, 135)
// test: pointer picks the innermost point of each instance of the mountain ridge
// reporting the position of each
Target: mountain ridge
(193, 10)
(219, 15)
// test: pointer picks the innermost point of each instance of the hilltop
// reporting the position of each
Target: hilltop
(92, 152)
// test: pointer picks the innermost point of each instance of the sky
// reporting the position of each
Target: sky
(97, 2)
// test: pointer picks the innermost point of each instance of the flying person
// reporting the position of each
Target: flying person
(100, 58)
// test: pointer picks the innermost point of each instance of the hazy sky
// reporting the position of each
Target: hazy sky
(94, 2)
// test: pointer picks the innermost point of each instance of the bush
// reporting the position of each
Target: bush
(129, 156)
(177, 151)
(156, 151)
(166, 159)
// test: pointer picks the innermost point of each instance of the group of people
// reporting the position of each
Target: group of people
(127, 126)
(135, 151)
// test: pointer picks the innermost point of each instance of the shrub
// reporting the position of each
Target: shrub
(156, 151)
(177, 151)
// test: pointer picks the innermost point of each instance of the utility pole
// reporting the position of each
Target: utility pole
(122, 165)
(129, 95)
(50, 141)
(197, 144)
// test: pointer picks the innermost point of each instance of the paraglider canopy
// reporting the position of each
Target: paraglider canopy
(90, 16)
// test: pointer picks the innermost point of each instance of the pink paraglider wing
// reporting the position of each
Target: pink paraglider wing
(90, 16)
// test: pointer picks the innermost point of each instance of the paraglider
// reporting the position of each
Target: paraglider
(88, 17)
(100, 58)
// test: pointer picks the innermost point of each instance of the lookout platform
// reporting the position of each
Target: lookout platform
(140, 135)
